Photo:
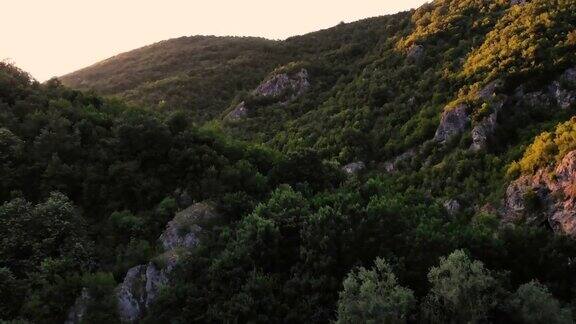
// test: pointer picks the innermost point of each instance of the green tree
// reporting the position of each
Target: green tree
(462, 291)
(101, 305)
(374, 296)
(533, 303)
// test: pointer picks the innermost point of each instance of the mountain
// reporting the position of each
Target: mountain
(416, 167)
(201, 74)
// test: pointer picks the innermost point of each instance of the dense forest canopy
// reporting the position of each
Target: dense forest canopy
(363, 173)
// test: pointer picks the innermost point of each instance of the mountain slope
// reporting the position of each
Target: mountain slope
(416, 167)
(201, 74)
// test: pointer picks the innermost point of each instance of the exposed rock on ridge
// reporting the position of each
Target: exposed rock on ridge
(280, 88)
(391, 166)
(453, 122)
(284, 86)
(547, 197)
(484, 129)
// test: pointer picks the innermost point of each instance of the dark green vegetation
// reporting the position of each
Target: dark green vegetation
(87, 183)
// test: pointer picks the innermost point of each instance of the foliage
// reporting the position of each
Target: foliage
(528, 40)
(374, 296)
(547, 149)
(88, 183)
(462, 290)
(533, 303)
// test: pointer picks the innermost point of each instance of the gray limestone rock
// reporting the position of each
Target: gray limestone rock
(452, 123)
(452, 206)
(284, 86)
(415, 53)
(239, 112)
(554, 190)
(354, 167)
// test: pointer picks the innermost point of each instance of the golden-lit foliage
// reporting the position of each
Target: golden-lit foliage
(547, 149)
(530, 38)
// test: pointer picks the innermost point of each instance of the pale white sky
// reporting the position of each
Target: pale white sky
(53, 37)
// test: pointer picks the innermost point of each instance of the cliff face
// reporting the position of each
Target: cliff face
(547, 197)
(452, 123)
(277, 88)
(286, 85)
(560, 92)
(142, 283)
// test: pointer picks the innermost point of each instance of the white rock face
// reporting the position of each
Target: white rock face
(142, 283)
(565, 98)
(391, 166)
(291, 85)
(280, 88)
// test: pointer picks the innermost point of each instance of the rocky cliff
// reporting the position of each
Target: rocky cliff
(279, 87)
(142, 283)
(547, 197)
(456, 120)
(453, 122)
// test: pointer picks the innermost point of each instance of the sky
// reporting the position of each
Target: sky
(53, 37)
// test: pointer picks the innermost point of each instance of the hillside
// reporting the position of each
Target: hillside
(200, 74)
(411, 168)
(203, 74)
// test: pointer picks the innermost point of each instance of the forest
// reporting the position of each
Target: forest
(410, 168)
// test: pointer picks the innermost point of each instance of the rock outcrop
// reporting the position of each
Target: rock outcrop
(562, 90)
(238, 112)
(131, 294)
(78, 310)
(490, 90)
(456, 120)
(142, 283)
(415, 53)
(518, 2)
(453, 122)
(547, 197)
(354, 167)
(391, 166)
(282, 88)
(139, 290)
(452, 206)
(484, 129)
